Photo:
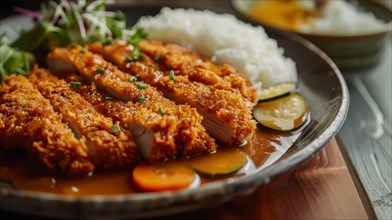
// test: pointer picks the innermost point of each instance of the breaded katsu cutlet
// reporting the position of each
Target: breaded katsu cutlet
(103, 107)
(29, 121)
(226, 112)
(160, 127)
(109, 145)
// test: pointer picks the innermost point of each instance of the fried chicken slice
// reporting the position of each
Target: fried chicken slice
(109, 145)
(187, 62)
(226, 115)
(160, 127)
(28, 121)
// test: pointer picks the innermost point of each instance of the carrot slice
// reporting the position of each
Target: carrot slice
(163, 176)
(224, 162)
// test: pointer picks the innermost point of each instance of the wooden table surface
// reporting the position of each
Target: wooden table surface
(322, 188)
(367, 132)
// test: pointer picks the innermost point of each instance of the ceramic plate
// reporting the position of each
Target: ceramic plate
(319, 81)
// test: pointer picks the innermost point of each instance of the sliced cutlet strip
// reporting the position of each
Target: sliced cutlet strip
(187, 62)
(160, 127)
(156, 145)
(226, 115)
(109, 145)
(28, 120)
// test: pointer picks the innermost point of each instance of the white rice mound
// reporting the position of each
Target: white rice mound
(343, 18)
(223, 39)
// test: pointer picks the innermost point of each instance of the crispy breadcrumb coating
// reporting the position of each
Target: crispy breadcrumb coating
(227, 116)
(178, 130)
(28, 121)
(187, 62)
(109, 146)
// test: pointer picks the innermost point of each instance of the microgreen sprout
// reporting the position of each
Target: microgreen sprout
(60, 23)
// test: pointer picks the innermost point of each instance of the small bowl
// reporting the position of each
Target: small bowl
(347, 51)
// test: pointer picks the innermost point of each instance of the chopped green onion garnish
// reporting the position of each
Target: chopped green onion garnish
(137, 37)
(171, 74)
(160, 111)
(83, 50)
(108, 41)
(157, 57)
(132, 79)
(135, 53)
(101, 70)
(128, 59)
(141, 99)
(116, 128)
(141, 86)
(108, 98)
(76, 85)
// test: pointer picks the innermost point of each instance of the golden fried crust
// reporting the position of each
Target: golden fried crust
(178, 124)
(108, 148)
(225, 106)
(186, 62)
(128, 113)
(28, 121)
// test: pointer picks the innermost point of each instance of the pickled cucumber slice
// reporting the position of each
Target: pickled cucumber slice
(224, 162)
(277, 91)
(283, 114)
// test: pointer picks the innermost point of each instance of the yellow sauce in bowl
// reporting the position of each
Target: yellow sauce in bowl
(286, 14)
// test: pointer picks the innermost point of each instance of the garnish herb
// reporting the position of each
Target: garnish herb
(137, 37)
(171, 74)
(107, 42)
(160, 111)
(116, 128)
(134, 40)
(157, 58)
(61, 23)
(135, 53)
(141, 86)
(132, 79)
(128, 59)
(83, 50)
(14, 61)
(108, 98)
(76, 85)
(101, 70)
(141, 99)
(81, 22)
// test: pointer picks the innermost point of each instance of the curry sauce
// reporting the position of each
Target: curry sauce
(23, 173)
